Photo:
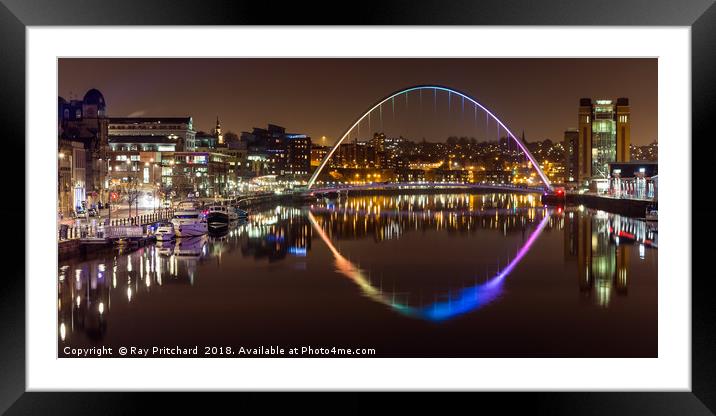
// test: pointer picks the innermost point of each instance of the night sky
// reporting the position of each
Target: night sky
(323, 97)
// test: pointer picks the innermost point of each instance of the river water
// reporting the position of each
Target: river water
(458, 275)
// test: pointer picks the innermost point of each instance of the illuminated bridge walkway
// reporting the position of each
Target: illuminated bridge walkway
(478, 109)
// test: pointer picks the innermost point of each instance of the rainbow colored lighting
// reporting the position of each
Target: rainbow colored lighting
(468, 299)
(475, 296)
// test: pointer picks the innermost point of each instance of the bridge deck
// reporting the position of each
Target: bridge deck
(426, 186)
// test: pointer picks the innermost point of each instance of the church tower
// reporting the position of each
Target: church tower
(217, 132)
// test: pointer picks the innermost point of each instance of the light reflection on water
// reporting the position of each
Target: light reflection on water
(395, 250)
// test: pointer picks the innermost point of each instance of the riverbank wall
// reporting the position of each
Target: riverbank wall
(84, 248)
(635, 208)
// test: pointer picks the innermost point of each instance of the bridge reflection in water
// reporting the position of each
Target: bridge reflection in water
(466, 300)
(596, 249)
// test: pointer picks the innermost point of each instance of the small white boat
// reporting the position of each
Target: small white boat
(188, 220)
(165, 232)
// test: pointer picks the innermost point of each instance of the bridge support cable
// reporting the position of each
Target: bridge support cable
(435, 88)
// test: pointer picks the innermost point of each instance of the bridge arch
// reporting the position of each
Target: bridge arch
(435, 88)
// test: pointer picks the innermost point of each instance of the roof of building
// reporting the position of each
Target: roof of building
(141, 139)
(140, 120)
(93, 96)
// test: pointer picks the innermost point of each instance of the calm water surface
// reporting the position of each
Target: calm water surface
(490, 275)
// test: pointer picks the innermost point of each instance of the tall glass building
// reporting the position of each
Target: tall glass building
(604, 137)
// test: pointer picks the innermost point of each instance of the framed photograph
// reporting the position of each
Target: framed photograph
(433, 197)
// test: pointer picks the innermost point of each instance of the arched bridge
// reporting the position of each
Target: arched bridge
(435, 88)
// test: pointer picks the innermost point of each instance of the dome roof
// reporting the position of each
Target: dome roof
(95, 97)
(61, 104)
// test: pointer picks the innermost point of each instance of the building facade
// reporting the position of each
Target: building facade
(636, 179)
(318, 153)
(298, 161)
(604, 136)
(178, 129)
(82, 133)
(380, 152)
(272, 151)
(138, 159)
(571, 154)
(356, 154)
(200, 174)
(71, 176)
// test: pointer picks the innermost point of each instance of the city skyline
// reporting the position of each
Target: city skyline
(424, 217)
(301, 93)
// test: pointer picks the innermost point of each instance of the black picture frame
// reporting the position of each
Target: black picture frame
(15, 15)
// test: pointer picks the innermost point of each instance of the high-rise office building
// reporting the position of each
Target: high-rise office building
(299, 154)
(604, 136)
